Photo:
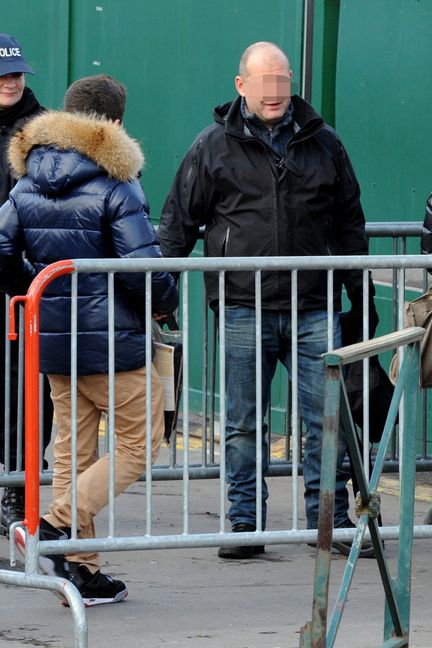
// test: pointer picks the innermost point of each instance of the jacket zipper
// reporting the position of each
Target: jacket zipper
(275, 181)
(225, 243)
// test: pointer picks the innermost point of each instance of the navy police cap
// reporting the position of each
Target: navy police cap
(11, 57)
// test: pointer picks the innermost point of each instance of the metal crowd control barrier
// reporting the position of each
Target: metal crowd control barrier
(398, 233)
(12, 399)
(336, 407)
(185, 538)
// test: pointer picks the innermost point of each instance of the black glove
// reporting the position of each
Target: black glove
(352, 323)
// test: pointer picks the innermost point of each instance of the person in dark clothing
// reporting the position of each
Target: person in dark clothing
(79, 197)
(270, 178)
(426, 237)
(17, 104)
(426, 248)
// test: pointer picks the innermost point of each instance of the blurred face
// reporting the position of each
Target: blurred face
(11, 89)
(266, 86)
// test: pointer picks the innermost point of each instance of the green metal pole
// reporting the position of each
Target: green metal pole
(407, 489)
(314, 634)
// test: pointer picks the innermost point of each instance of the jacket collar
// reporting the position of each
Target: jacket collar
(104, 142)
(304, 115)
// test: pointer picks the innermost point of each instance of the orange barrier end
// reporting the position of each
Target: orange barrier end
(31, 386)
(12, 328)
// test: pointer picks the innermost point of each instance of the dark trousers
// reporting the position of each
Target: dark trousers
(47, 403)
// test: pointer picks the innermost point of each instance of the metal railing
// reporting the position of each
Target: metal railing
(368, 502)
(184, 538)
(206, 421)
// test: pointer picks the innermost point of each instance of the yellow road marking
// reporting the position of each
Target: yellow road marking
(387, 485)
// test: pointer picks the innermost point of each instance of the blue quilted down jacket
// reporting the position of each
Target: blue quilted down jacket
(78, 197)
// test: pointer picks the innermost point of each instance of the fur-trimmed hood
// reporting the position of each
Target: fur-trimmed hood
(104, 142)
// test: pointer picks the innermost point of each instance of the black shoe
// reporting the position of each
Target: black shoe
(241, 553)
(96, 589)
(344, 546)
(12, 508)
(53, 564)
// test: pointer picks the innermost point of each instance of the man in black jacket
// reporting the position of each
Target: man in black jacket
(17, 104)
(270, 178)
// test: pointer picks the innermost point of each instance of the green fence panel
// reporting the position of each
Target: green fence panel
(383, 98)
(178, 60)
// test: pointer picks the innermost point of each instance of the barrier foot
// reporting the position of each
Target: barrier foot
(65, 588)
(305, 635)
(396, 642)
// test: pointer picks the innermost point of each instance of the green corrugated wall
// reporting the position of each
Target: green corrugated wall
(371, 75)
(370, 78)
(383, 99)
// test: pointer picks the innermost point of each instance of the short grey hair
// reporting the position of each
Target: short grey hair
(261, 45)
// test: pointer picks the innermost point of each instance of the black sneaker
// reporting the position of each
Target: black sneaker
(12, 508)
(241, 553)
(344, 546)
(96, 589)
(53, 564)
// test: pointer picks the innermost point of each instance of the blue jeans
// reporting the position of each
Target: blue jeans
(241, 412)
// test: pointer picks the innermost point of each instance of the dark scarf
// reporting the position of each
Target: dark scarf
(278, 136)
(27, 105)
(11, 120)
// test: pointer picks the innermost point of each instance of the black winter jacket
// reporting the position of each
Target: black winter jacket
(78, 197)
(305, 204)
(426, 237)
(11, 119)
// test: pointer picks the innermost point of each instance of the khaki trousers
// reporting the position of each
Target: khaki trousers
(93, 471)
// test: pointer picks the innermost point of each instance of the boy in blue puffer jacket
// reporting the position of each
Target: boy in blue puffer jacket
(78, 197)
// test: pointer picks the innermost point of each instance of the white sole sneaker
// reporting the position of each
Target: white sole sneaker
(46, 565)
(91, 602)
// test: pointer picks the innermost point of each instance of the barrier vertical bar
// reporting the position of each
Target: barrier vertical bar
(330, 310)
(326, 504)
(7, 393)
(295, 432)
(212, 388)
(111, 405)
(407, 492)
(185, 278)
(400, 325)
(31, 323)
(222, 399)
(148, 353)
(259, 400)
(365, 311)
(20, 393)
(32, 419)
(41, 420)
(204, 386)
(74, 406)
(313, 635)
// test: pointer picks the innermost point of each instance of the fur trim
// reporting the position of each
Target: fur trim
(104, 142)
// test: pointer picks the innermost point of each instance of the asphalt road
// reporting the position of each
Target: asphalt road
(191, 598)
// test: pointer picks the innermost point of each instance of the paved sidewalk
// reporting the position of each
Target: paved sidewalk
(191, 598)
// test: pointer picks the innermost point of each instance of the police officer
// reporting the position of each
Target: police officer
(17, 104)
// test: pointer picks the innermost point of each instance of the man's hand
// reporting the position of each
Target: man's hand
(352, 323)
